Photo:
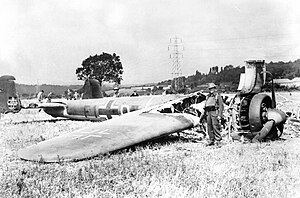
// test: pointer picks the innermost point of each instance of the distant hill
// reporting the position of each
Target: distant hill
(26, 91)
(228, 75)
(30, 91)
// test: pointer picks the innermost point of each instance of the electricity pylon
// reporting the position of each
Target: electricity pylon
(176, 46)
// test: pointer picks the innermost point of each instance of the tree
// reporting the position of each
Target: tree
(103, 67)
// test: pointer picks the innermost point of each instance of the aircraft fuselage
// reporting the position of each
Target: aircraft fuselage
(103, 108)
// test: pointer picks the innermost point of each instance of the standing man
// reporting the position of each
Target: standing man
(214, 110)
(49, 96)
(40, 96)
(116, 90)
(76, 95)
(69, 94)
(134, 94)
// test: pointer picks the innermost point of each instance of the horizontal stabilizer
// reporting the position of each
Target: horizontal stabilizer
(55, 109)
(52, 105)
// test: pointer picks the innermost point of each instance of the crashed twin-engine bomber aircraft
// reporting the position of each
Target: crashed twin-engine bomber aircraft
(117, 133)
(252, 114)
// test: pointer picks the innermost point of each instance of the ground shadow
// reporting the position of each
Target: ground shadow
(160, 142)
(38, 121)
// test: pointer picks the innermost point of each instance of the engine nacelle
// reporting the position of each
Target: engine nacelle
(252, 111)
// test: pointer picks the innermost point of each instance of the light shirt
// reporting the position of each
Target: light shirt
(40, 96)
(211, 100)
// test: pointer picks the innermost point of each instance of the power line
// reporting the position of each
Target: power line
(244, 38)
(245, 47)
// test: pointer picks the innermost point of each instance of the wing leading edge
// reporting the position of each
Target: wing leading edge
(108, 136)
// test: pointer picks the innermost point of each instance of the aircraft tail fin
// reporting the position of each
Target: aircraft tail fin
(96, 89)
(9, 101)
(91, 89)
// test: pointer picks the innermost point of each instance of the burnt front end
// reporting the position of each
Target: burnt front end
(254, 112)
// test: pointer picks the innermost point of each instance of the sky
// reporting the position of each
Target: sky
(43, 42)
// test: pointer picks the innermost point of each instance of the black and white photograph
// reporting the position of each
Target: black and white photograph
(140, 98)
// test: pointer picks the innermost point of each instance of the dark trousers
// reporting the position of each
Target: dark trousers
(213, 126)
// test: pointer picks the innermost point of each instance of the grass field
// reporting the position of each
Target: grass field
(169, 167)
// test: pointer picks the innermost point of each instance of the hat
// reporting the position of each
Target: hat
(211, 85)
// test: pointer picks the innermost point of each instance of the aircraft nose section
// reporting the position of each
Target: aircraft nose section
(277, 115)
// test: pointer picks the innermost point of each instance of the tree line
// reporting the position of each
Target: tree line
(108, 67)
(230, 75)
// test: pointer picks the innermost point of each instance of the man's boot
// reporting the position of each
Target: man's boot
(210, 143)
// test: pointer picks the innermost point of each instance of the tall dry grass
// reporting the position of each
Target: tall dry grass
(171, 167)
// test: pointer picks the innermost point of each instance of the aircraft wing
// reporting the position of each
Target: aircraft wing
(111, 135)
